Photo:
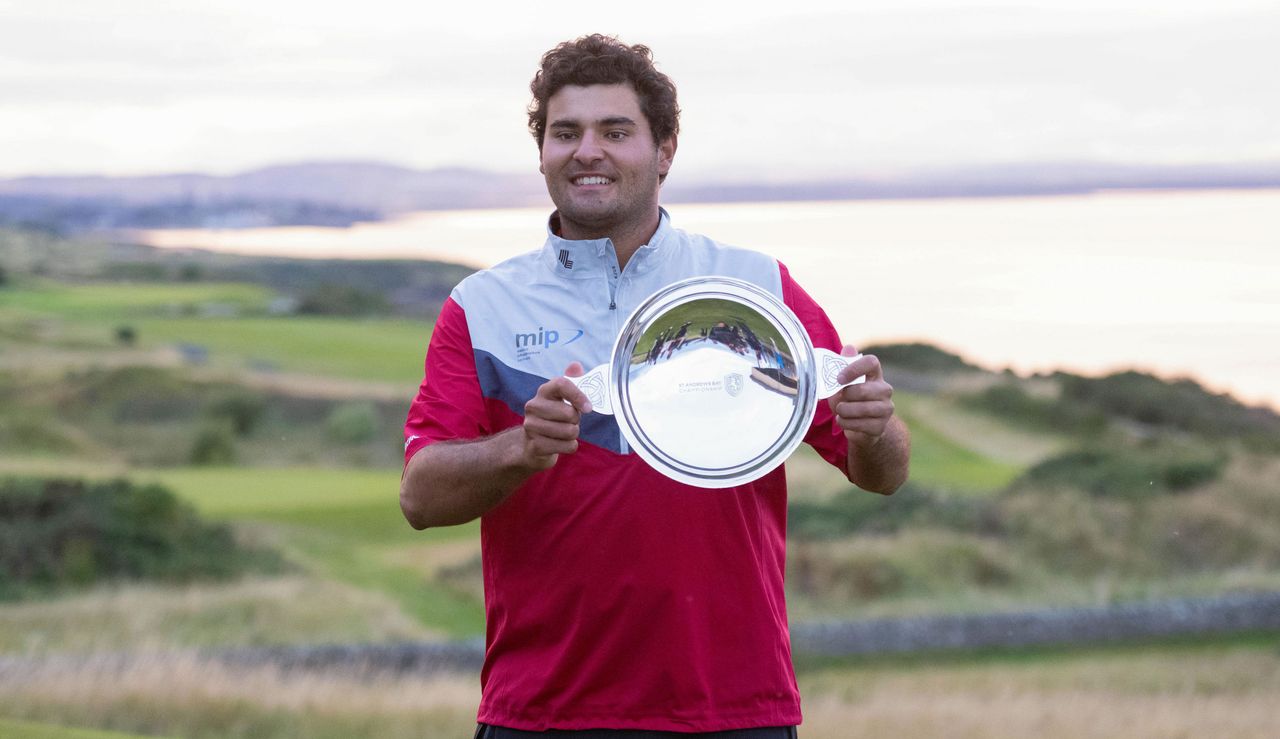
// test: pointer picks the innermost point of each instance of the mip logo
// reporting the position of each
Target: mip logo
(546, 338)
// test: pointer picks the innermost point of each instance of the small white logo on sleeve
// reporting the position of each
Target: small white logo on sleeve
(409, 441)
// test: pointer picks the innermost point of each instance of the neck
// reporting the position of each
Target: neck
(626, 238)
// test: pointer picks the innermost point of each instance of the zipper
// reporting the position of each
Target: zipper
(614, 279)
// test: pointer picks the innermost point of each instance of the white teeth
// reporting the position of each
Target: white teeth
(592, 181)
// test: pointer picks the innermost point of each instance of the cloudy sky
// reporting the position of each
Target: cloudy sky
(789, 91)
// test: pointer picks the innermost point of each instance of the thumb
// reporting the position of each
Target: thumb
(574, 370)
(849, 350)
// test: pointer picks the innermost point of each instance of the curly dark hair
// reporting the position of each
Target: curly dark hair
(604, 60)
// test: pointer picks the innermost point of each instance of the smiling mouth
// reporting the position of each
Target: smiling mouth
(592, 180)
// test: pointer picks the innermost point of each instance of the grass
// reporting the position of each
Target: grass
(125, 300)
(939, 461)
(240, 492)
(944, 462)
(342, 523)
(182, 695)
(372, 349)
(28, 730)
(138, 617)
(1212, 688)
(1208, 688)
(369, 349)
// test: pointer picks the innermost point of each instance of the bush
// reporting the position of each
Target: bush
(329, 299)
(919, 561)
(856, 511)
(133, 394)
(1181, 404)
(1127, 473)
(353, 422)
(1010, 402)
(920, 357)
(215, 444)
(59, 533)
(126, 335)
(243, 410)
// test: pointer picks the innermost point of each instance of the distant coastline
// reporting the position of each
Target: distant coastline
(341, 194)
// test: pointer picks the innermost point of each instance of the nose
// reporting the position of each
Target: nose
(589, 149)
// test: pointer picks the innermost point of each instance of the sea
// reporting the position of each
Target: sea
(1176, 283)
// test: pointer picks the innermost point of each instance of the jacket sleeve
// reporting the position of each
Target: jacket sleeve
(449, 404)
(824, 434)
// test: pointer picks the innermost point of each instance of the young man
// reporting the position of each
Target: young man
(619, 603)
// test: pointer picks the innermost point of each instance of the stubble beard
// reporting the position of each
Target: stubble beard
(628, 210)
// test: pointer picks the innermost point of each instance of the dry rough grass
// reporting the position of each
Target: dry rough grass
(248, 612)
(183, 695)
(1188, 692)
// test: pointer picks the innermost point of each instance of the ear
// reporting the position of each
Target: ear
(666, 153)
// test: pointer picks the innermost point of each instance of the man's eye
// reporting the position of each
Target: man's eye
(564, 136)
(617, 135)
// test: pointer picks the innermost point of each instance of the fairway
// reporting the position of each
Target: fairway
(122, 300)
(226, 325)
(343, 524)
(231, 492)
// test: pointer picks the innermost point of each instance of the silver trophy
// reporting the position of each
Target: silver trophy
(714, 381)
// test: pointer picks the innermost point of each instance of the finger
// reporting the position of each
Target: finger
(867, 426)
(867, 364)
(551, 411)
(566, 431)
(562, 389)
(540, 446)
(865, 409)
(574, 370)
(880, 390)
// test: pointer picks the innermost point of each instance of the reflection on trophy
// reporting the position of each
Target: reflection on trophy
(678, 381)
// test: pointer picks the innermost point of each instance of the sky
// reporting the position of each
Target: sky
(785, 92)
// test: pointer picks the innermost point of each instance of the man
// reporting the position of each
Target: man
(617, 600)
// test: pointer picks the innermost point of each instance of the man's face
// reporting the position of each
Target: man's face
(600, 160)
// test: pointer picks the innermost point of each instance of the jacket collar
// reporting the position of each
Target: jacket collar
(591, 258)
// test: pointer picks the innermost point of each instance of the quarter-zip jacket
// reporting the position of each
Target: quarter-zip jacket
(614, 596)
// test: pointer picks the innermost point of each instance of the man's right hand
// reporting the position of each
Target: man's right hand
(551, 420)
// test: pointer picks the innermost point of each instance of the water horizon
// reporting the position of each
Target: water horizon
(1174, 283)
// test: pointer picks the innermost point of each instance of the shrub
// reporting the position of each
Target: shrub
(1010, 402)
(215, 444)
(920, 357)
(329, 299)
(1180, 404)
(856, 511)
(353, 422)
(133, 394)
(126, 335)
(243, 410)
(1127, 473)
(58, 533)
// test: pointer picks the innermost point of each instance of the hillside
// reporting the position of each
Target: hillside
(203, 376)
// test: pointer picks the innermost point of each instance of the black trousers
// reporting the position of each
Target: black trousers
(484, 731)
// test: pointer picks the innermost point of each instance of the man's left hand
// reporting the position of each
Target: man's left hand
(863, 410)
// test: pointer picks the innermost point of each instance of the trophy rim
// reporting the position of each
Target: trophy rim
(778, 315)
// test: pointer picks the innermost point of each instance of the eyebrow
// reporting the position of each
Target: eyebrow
(618, 120)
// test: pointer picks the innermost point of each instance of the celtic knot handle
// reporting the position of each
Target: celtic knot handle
(595, 384)
(829, 366)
